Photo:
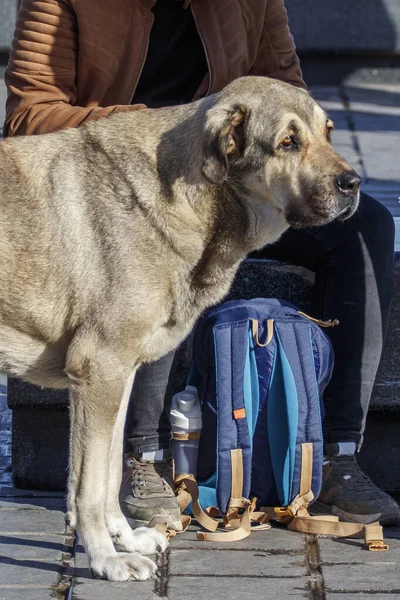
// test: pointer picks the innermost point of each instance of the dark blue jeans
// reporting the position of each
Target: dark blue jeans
(353, 265)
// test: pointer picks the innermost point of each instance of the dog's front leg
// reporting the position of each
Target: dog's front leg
(143, 539)
(74, 471)
(96, 400)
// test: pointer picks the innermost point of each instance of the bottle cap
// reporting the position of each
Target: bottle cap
(186, 402)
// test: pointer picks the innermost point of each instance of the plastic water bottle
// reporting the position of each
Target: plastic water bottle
(185, 419)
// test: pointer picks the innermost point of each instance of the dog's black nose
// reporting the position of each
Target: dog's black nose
(348, 182)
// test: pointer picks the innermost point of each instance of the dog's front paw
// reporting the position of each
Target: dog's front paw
(148, 540)
(123, 567)
(145, 540)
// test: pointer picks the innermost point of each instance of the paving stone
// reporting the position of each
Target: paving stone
(221, 588)
(377, 149)
(28, 521)
(29, 572)
(362, 596)
(379, 577)
(274, 541)
(354, 552)
(87, 588)
(342, 139)
(377, 91)
(227, 562)
(27, 593)
(95, 589)
(49, 547)
(376, 117)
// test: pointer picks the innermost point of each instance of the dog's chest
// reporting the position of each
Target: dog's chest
(190, 296)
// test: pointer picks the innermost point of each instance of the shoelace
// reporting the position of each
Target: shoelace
(347, 465)
(149, 478)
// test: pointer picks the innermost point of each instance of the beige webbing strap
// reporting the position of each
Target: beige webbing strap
(259, 521)
(284, 514)
(297, 518)
(189, 485)
(270, 331)
(239, 525)
(374, 538)
(330, 525)
(236, 500)
(306, 468)
(161, 525)
(233, 535)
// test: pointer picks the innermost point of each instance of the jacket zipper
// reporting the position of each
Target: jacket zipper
(142, 67)
(204, 46)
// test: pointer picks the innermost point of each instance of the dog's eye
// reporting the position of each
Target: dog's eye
(329, 129)
(288, 142)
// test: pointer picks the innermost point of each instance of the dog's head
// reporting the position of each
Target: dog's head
(270, 140)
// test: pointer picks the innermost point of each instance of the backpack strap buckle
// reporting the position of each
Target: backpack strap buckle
(376, 545)
(374, 538)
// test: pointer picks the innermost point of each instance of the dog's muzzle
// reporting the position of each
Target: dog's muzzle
(348, 186)
(348, 183)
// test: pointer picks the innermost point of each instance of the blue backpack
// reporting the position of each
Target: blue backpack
(260, 367)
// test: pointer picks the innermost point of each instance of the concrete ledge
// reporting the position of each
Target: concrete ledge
(40, 417)
(40, 448)
(8, 15)
(371, 26)
(380, 452)
(386, 394)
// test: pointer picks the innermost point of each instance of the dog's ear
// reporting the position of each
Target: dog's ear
(224, 138)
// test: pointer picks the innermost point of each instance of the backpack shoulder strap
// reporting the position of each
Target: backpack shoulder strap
(231, 346)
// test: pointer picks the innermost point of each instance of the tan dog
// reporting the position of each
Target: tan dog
(117, 235)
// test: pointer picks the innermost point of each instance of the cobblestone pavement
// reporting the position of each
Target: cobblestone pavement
(40, 560)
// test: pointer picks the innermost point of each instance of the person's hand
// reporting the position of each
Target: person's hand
(130, 107)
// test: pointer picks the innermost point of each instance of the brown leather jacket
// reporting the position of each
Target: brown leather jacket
(76, 60)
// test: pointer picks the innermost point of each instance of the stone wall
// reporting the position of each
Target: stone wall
(371, 26)
(8, 13)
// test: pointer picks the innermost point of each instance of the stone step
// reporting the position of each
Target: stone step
(371, 26)
(8, 15)
(386, 395)
(40, 417)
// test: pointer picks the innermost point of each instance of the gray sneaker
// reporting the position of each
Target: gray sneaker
(350, 495)
(147, 492)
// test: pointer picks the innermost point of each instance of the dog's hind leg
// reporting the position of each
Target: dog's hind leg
(98, 380)
(143, 539)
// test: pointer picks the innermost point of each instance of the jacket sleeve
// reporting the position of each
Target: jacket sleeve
(41, 71)
(276, 55)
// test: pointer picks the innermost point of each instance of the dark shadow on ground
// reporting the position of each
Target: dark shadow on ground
(37, 543)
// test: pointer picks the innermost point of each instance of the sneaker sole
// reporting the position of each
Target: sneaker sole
(317, 508)
(175, 525)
